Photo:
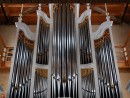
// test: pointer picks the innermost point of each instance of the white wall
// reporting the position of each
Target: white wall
(9, 33)
(120, 33)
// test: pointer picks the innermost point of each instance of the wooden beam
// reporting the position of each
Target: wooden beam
(119, 46)
(24, 5)
(64, 1)
(13, 10)
(4, 69)
(4, 13)
(46, 11)
(125, 10)
(127, 70)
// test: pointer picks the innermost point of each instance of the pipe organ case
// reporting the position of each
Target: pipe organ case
(21, 70)
(106, 69)
(64, 58)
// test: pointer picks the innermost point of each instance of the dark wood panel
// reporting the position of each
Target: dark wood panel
(127, 70)
(13, 10)
(4, 69)
(62, 1)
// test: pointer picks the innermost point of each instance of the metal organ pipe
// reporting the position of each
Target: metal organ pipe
(64, 71)
(21, 75)
(43, 43)
(107, 76)
(40, 84)
(87, 76)
(85, 43)
(42, 56)
(88, 85)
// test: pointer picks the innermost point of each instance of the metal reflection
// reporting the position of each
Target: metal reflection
(40, 84)
(21, 75)
(64, 66)
(43, 43)
(107, 76)
(88, 83)
(85, 43)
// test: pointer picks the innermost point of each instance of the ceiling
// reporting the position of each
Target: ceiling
(9, 12)
(62, 1)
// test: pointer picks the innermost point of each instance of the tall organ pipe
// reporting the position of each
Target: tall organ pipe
(85, 43)
(43, 43)
(64, 66)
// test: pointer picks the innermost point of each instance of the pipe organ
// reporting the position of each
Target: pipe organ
(64, 64)
(64, 58)
(21, 75)
(43, 43)
(85, 43)
(107, 79)
(88, 85)
(40, 84)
